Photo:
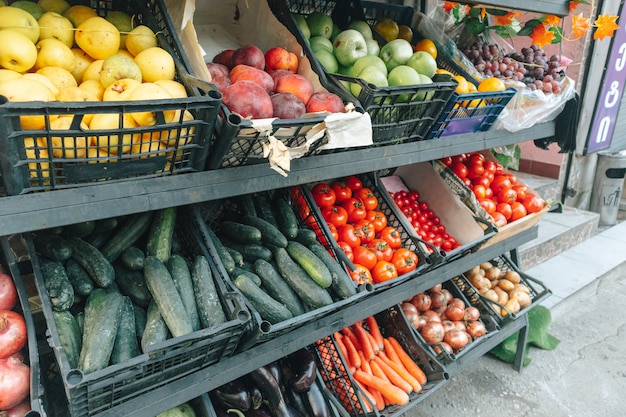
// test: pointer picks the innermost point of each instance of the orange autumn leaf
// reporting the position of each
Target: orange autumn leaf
(541, 36)
(605, 26)
(580, 25)
(552, 20)
(507, 19)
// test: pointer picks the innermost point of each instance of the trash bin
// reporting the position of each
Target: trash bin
(607, 186)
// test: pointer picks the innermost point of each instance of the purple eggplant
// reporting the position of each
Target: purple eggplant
(304, 369)
(316, 403)
(234, 394)
(269, 387)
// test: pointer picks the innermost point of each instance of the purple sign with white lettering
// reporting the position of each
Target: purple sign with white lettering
(610, 94)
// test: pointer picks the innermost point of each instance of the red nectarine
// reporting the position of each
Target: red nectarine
(225, 58)
(287, 106)
(279, 58)
(325, 101)
(249, 55)
(255, 75)
(219, 75)
(295, 84)
(248, 99)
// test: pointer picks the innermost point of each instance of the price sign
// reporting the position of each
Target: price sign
(610, 94)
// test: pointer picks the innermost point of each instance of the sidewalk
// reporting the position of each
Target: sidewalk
(585, 376)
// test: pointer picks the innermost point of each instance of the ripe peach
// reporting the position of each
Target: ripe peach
(296, 84)
(220, 76)
(255, 75)
(249, 55)
(279, 58)
(225, 58)
(278, 74)
(248, 99)
(324, 101)
(287, 106)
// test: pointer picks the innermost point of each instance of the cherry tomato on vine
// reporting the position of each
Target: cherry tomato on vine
(355, 209)
(336, 215)
(392, 236)
(368, 198)
(347, 235)
(404, 260)
(342, 191)
(323, 195)
(364, 256)
(384, 271)
(378, 219)
(361, 275)
(354, 183)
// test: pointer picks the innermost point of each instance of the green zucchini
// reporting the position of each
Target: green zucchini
(239, 232)
(310, 263)
(249, 272)
(222, 252)
(70, 336)
(306, 236)
(286, 218)
(126, 235)
(97, 266)
(79, 278)
(270, 234)
(236, 255)
(264, 208)
(250, 251)
(140, 319)
(268, 308)
(132, 284)
(155, 330)
(132, 257)
(81, 229)
(342, 285)
(53, 247)
(308, 290)
(164, 293)
(99, 339)
(179, 270)
(245, 205)
(160, 234)
(57, 284)
(210, 309)
(277, 288)
(125, 346)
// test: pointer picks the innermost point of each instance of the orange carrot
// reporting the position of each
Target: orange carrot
(366, 347)
(377, 371)
(373, 342)
(393, 376)
(390, 351)
(372, 324)
(349, 333)
(366, 366)
(390, 392)
(368, 398)
(342, 346)
(401, 370)
(353, 353)
(408, 362)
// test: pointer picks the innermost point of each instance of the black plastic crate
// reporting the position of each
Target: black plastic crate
(374, 11)
(341, 384)
(203, 217)
(107, 390)
(536, 289)
(23, 307)
(54, 155)
(428, 255)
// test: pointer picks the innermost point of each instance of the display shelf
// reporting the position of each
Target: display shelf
(242, 363)
(557, 7)
(30, 212)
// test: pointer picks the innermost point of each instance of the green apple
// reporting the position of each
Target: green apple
(372, 75)
(327, 59)
(362, 27)
(30, 6)
(397, 52)
(303, 25)
(403, 75)
(423, 62)
(372, 47)
(349, 46)
(426, 95)
(320, 24)
(336, 31)
(368, 61)
(123, 22)
(320, 42)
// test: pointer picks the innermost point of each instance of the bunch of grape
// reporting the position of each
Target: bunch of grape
(530, 66)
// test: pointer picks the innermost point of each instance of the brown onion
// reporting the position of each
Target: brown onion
(422, 301)
(454, 312)
(431, 315)
(471, 314)
(438, 300)
(411, 314)
(476, 329)
(432, 332)
(457, 339)
(441, 347)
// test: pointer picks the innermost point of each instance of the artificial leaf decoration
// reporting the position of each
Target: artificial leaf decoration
(580, 25)
(605, 26)
(552, 20)
(507, 19)
(449, 5)
(542, 37)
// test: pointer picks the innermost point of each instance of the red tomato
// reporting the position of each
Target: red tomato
(381, 248)
(392, 236)
(507, 195)
(476, 158)
(482, 180)
(488, 205)
(517, 211)
(336, 215)
(505, 210)
(480, 192)
(499, 219)
(346, 234)
(499, 169)
(364, 256)
(459, 169)
(354, 183)
(378, 219)
(342, 191)
(512, 177)
(459, 158)
(489, 166)
(533, 203)
(404, 260)
(355, 208)
(323, 195)
(475, 171)
(489, 193)
(467, 182)
(365, 230)
(384, 271)
(499, 182)
(521, 190)
(347, 249)
(333, 230)
(368, 198)
(361, 275)
(447, 161)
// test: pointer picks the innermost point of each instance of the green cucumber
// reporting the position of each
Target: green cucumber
(310, 263)
(239, 232)
(268, 308)
(53, 247)
(277, 288)
(236, 255)
(70, 336)
(98, 239)
(125, 346)
(132, 257)
(155, 330)
(250, 251)
(132, 284)
(97, 266)
(245, 205)
(342, 285)
(140, 319)
(210, 309)
(81, 229)
(222, 252)
(105, 225)
(264, 208)
(164, 293)
(306, 236)
(126, 235)
(79, 278)
(57, 284)
(270, 234)
(179, 270)
(286, 218)
(160, 234)
(98, 341)
(80, 320)
(249, 272)
(308, 290)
